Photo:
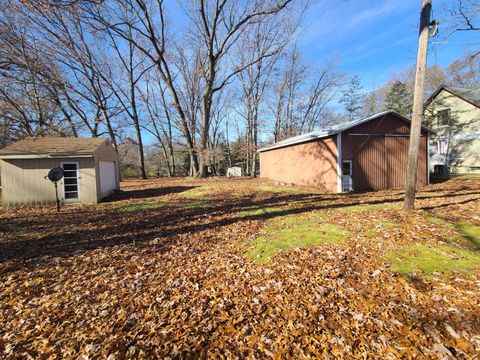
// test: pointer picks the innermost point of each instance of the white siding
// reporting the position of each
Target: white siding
(107, 177)
(466, 141)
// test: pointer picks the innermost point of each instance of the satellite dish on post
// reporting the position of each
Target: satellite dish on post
(54, 175)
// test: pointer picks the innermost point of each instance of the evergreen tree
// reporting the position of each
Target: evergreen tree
(352, 98)
(399, 99)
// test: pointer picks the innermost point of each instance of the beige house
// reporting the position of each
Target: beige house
(90, 167)
(454, 114)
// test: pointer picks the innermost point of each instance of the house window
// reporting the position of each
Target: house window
(443, 117)
(442, 146)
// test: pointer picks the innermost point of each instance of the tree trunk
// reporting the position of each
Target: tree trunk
(206, 107)
(141, 155)
(111, 133)
(255, 143)
(248, 138)
(172, 161)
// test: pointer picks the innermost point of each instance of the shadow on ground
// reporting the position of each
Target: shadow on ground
(146, 193)
(34, 240)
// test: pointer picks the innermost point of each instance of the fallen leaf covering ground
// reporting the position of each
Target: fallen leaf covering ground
(187, 268)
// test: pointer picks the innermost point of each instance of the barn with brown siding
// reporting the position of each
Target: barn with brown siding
(366, 154)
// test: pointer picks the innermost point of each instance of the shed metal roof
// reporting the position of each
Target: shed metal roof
(335, 129)
(38, 147)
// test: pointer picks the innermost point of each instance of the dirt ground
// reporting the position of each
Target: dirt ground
(178, 268)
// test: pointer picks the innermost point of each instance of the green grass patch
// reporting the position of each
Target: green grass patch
(442, 259)
(140, 206)
(437, 220)
(368, 207)
(282, 189)
(379, 226)
(470, 234)
(198, 192)
(259, 210)
(193, 205)
(292, 232)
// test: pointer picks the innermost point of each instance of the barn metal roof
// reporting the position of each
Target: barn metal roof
(335, 129)
(38, 147)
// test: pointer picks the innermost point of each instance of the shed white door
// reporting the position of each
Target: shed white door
(108, 179)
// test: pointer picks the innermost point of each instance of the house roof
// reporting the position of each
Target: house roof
(471, 96)
(335, 129)
(41, 147)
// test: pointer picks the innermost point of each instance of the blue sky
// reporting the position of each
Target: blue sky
(373, 38)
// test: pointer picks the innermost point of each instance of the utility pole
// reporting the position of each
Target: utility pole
(417, 111)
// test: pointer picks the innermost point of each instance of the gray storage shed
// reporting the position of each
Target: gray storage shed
(91, 170)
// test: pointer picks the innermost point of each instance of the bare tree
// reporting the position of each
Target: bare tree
(161, 118)
(461, 16)
(288, 93)
(219, 26)
(220, 110)
(264, 38)
(143, 24)
(83, 93)
(301, 95)
(28, 81)
(464, 72)
(465, 15)
(127, 92)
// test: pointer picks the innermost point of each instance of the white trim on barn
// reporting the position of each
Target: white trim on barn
(339, 162)
(428, 159)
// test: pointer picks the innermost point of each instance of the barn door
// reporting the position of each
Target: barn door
(396, 153)
(70, 182)
(369, 162)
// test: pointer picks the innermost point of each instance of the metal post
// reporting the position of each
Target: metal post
(56, 195)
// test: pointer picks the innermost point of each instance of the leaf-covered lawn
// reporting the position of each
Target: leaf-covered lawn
(293, 232)
(243, 268)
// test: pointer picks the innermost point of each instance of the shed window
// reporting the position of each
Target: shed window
(71, 196)
(70, 167)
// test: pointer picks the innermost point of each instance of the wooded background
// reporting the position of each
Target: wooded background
(209, 96)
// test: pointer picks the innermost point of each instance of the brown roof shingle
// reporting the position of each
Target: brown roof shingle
(471, 96)
(53, 146)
